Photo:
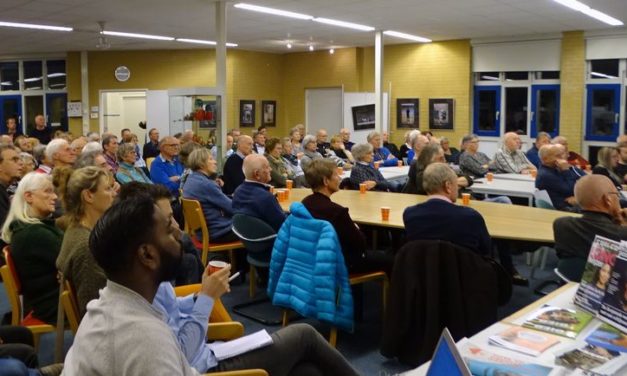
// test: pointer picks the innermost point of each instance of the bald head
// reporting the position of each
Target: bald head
(255, 167)
(549, 154)
(245, 144)
(621, 138)
(511, 140)
(594, 192)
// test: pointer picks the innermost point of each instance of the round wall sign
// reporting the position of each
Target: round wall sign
(122, 73)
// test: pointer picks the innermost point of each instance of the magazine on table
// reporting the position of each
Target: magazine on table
(596, 275)
(614, 305)
(591, 359)
(560, 321)
(528, 342)
(608, 337)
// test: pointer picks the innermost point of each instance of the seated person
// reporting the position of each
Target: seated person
(324, 180)
(166, 169)
(599, 201)
(346, 139)
(338, 153)
(573, 158)
(292, 160)
(364, 172)
(418, 142)
(607, 161)
(431, 153)
(621, 167)
(35, 243)
(310, 151)
(558, 177)
(472, 161)
(321, 142)
(127, 172)
(259, 145)
(406, 147)
(440, 219)
(390, 145)
(509, 158)
(137, 265)
(451, 154)
(17, 355)
(253, 196)
(232, 171)
(381, 153)
(542, 139)
(280, 171)
(216, 206)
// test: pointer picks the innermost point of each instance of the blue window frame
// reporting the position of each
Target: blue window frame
(487, 111)
(602, 112)
(545, 109)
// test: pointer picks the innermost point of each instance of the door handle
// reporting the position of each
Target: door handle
(616, 117)
(532, 114)
(498, 113)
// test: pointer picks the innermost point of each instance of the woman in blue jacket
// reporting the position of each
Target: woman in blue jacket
(216, 206)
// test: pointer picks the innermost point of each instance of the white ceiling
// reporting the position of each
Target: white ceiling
(434, 19)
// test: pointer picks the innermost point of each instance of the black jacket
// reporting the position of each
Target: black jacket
(435, 285)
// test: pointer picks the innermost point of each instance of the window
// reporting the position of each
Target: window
(545, 103)
(516, 76)
(548, 75)
(487, 110)
(33, 75)
(602, 112)
(516, 109)
(9, 76)
(56, 74)
(604, 69)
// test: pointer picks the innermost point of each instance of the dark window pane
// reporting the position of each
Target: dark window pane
(9, 76)
(592, 154)
(487, 110)
(56, 74)
(548, 75)
(34, 106)
(604, 69)
(546, 110)
(33, 79)
(517, 76)
(603, 112)
(488, 76)
(516, 110)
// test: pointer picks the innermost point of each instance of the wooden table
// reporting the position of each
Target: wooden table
(505, 187)
(503, 221)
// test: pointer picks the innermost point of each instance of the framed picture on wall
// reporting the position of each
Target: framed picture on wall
(407, 112)
(246, 113)
(268, 117)
(441, 114)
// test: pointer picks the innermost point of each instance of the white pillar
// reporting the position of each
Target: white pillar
(378, 81)
(220, 10)
(85, 91)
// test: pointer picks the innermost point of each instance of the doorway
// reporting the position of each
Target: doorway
(123, 109)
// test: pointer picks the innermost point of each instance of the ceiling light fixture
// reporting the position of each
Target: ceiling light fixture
(597, 74)
(35, 26)
(276, 12)
(348, 25)
(583, 8)
(398, 34)
(32, 79)
(201, 41)
(311, 47)
(331, 51)
(289, 46)
(135, 35)
(53, 75)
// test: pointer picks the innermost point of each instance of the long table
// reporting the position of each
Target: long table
(503, 221)
(519, 177)
(561, 297)
(389, 173)
(505, 187)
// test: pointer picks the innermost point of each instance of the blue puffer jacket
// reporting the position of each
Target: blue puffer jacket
(307, 270)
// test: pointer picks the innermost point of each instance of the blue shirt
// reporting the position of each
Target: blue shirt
(188, 321)
(533, 157)
(254, 199)
(161, 171)
(558, 184)
(382, 154)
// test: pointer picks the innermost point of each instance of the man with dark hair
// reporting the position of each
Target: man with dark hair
(10, 172)
(125, 136)
(151, 148)
(138, 249)
(110, 147)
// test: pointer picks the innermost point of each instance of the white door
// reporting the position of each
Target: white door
(324, 109)
(124, 109)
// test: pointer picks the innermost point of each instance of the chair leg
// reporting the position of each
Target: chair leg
(333, 337)
(232, 258)
(285, 318)
(252, 282)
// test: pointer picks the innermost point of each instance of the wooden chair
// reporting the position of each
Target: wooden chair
(69, 303)
(194, 220)
(13, 288)
(356, 279)
(149, 163)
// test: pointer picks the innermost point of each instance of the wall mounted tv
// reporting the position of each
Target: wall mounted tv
(363, 117)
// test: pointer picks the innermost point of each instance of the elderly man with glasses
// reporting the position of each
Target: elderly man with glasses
(166, 168)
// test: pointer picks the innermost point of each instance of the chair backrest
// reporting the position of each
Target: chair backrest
(542, 200)
(218, 313)
(149, 162)
(195, 220)
(68, 300)
(8, 258)
(256, 234)
(12, 287)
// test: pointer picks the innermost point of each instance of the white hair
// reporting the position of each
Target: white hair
(93, 136)
(19, 210)
(92, 146)
(54, 147)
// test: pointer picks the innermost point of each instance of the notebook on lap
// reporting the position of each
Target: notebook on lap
(446, 358)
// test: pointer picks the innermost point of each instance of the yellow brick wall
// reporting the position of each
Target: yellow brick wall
(573, 80)
(73, 71)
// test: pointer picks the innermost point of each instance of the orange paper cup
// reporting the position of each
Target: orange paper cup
(289, 184)
(215, 265)
(362, 188)
(340, 171)
(489, 176)
(533, 173)
(400, 163)
(377, 164)
(385, 213)
(466, 199)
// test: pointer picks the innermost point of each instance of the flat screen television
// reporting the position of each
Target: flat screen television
(363, 117)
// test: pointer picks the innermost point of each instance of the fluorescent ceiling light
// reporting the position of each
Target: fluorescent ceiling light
(52, 75)
(135, 35)
(6, 83)
(201, 41)
(57, 85)
(583, 8)
(406, 36)
(596, 74)
(349, 25)
(32, 79)
(34, 26)
(276, 12)
(489, 78)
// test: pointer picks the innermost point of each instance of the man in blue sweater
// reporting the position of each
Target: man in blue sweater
(542, 139)
(253, 196)
(381, 153)
(166, 169)
(558, 177)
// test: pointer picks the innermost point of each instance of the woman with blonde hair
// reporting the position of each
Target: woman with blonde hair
(607, 160)
(35, 243)
(87, 193)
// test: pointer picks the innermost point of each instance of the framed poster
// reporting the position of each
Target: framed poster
(441, 114)
(268, 117)
(407, 113)
(363, 117)
(246, 113)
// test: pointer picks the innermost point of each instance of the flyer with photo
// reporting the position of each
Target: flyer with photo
(608, 338)
(597, 273)
(561, 321)
(614, 306)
